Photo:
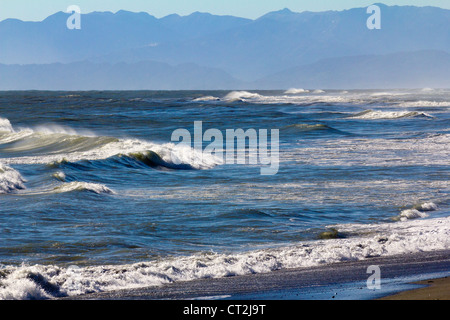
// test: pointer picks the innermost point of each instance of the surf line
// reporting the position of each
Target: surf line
(234, 148)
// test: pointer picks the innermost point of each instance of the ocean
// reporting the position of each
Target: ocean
(96, 195)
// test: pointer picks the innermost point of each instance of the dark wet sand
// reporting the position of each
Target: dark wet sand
(345, 281)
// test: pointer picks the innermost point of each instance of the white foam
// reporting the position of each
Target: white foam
(296, 91)
(379, 114)
(302, 96)
(308, 99)
(61, 176)
(363, 241)
(295, 96)
(241, 95)
(168, 152)
(84, 145)
(58, 129)
(419, 211)
(412, 214)
(83, 186)
(39, 135)
(5, 125)
(424, 103)
(429, 150)
(10, 180)
(388, 94)
(18, 287)
(427, 206)
(13, 136)
(182, 154)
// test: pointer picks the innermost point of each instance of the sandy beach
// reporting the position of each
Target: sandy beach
(435, 289)
(340, 281)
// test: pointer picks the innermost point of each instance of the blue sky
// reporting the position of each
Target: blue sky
(34, 10)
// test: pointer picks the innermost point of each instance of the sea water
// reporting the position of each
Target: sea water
(92, 200)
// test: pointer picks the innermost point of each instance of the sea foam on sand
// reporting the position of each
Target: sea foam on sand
(362, 241)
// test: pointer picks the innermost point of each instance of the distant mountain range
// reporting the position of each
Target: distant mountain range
(282, 49)
(420, 69)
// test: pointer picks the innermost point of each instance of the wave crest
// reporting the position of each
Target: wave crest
(296, 91)
(5, 125)
(10, 180)
(241, 96)
(418, 211)
(83, 186)
(56, 146)
(378, 114)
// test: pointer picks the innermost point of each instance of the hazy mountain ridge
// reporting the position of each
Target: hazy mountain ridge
(278, 50)
(418, 69)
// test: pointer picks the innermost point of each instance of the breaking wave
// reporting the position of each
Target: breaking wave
(302, 96)
(50, 145)
(418, 211)
(293, 96)
(10, 180)
(83, 186)
(5, 125)
(296, 91)
(425, 103)
(241, 96)
(361, 242)
(378, 114)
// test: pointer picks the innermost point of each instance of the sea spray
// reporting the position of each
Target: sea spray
(5, 125)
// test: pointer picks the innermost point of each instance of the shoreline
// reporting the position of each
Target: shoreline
(338, 281)
(432, 289)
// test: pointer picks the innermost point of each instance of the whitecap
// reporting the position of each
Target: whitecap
(10, 180)
(83, 186)
(379, 114)
(72, 147)
(424, 103)
(241, 95)
(412, 214)
(427, 206)
(296, 91)
(5, 125)
(58, 129)
(418, 211)
(61, 176)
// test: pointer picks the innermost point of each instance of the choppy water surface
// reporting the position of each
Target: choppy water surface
(91, 198)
